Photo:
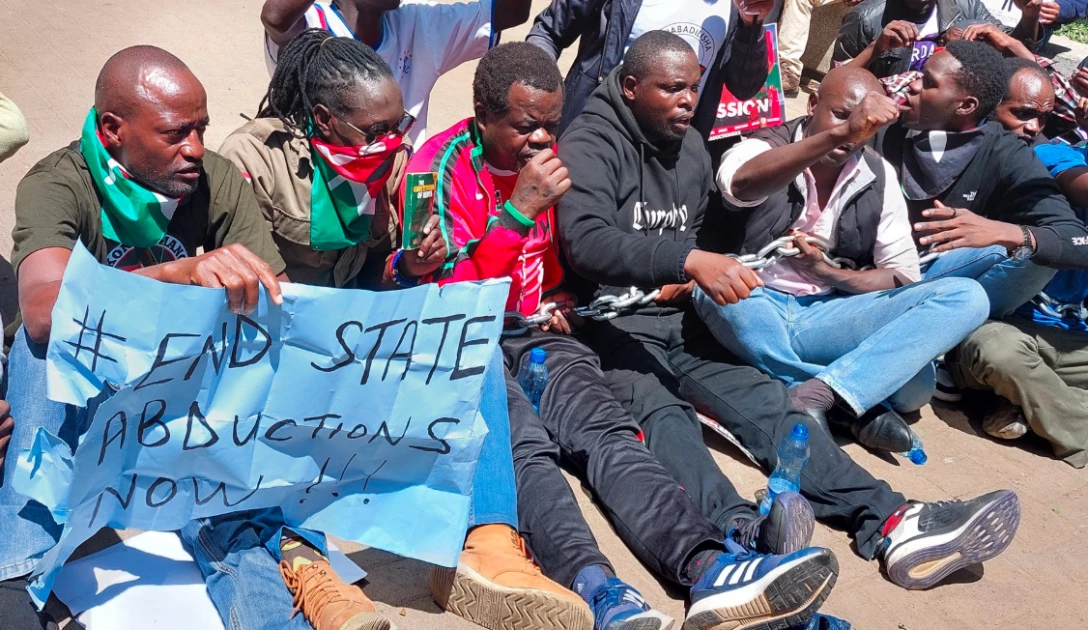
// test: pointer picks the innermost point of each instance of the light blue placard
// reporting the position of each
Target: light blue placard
(355, 412)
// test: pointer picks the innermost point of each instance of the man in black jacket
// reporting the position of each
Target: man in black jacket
(726, 34)
(903, 33)
(977, 195)
(640, 180)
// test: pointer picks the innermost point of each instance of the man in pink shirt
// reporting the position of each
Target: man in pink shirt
(846, 323)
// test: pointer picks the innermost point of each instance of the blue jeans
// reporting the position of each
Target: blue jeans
(1007, 283)
(869, 348)
(494, 493)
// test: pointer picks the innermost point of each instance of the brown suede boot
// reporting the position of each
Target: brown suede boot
(327, 602)
(498, 587)
(791, 83)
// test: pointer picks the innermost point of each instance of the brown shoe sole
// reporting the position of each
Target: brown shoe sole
(368, 621)
(467, 594)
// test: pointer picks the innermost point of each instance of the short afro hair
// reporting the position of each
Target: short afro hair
(982, 74)
(646, 51)
(1016, 65)
(507, 64)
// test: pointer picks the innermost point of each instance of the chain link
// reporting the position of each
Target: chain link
(1054, 308)
(783, 247)
(602, 309)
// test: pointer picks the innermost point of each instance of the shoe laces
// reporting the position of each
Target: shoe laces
(746, 531)
(313, 588)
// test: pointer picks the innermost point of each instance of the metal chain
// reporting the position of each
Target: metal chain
(1054, 308)
(783, 247)
(602, 309)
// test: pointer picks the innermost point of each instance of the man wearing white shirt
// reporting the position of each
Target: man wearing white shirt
(419, 40)
(860, 338)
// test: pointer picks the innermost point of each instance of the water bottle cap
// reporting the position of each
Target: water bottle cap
(537, 355)
(918, 456)
(800, 431)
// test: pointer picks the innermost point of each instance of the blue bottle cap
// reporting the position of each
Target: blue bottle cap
(800, 431)
(918, 456)
(537, 355)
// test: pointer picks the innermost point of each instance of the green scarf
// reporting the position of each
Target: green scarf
(347, 183)
(132, 215)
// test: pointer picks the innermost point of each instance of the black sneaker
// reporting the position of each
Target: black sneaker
(926, 542)
(785, 529)
(947, 390)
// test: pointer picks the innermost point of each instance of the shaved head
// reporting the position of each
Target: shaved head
(152, 112)
(840, 92)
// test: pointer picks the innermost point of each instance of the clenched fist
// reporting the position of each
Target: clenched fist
(873, 112)
(541, 182)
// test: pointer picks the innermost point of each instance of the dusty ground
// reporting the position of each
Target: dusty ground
(50, 53)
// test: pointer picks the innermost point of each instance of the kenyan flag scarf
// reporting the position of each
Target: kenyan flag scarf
(132, 214)
(346, 186)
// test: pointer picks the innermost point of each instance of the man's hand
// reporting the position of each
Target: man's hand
(541, 182)
(954, 228)
(873, 112)
(563, 321)
(811, 257)
(754, 11)
(1081, 113)
(897, 34)
(1080, 81)
(1042, 10)
(722, 278)
(430, 255)
(7, 425)
(675, 293)
(991, 34)
(233, 268)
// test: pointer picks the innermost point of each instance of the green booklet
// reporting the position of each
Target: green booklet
(418, 207)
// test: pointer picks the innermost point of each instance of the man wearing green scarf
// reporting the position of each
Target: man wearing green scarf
(141, 193)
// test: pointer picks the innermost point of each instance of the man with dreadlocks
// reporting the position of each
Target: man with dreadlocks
(333, 113)
(142, 194)
(419, 40)
(498, 179)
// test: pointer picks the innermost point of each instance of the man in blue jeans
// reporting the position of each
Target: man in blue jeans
(850, 337)
(142, 194)
(976, 194)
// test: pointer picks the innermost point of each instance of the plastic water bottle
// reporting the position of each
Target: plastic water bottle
(534, 378)
(793, 453)
(916, 454)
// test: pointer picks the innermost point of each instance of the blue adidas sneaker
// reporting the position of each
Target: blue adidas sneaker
(617, 606)
(743, 589)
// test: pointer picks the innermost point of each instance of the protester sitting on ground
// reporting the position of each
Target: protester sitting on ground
(1028, 101)
(419, 40)
(1067, 110)
(858, 335)
(904, 33)
(976, 194)
(640, 180)
(141, 193)
(333, 113)
(13, 129)
(501, 180)
(727, 36)
(342, 92)
(1036, 360)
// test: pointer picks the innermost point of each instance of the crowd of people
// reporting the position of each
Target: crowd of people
(927, 214)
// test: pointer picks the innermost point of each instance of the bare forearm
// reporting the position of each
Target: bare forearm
(1027, 30)
(864, 58)
(868, 281)
(775, 169)
(280, 16)
(36, 306)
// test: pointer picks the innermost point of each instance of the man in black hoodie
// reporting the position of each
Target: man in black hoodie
(977, 195)
(640, 181)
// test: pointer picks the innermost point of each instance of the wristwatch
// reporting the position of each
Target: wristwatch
(1025, 251)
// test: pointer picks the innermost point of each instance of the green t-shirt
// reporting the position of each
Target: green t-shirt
(56, 203)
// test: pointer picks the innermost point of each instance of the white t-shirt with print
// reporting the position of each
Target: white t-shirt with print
(421, 41)
(701, 23)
